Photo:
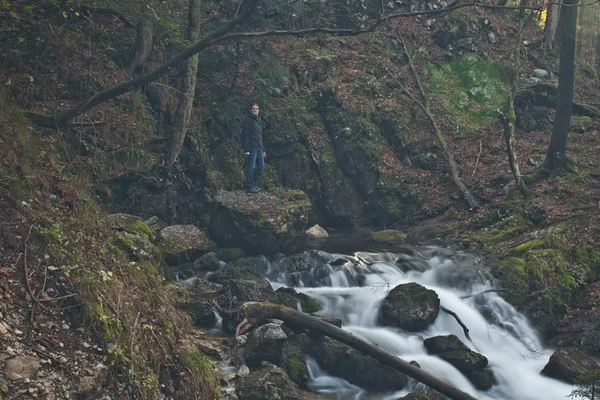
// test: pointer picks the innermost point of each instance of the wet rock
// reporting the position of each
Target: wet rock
(471, 364)
(423, 395)
(21, 367)
(389, 237)
(307, 303)
(568, 363)
(239, 291)
(196, 301)
(309, 268)
(264, 344)
(230, 253)
(317, 232)
(208, 262)
(264, 222)
(257, 266)
(210, 349)
(269, 382)
(183, 243)
(443, 344)
(410, 306)
(293, 358)
(356, 367)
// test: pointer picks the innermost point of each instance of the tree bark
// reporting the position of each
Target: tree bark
(188, 87)
(143, 41)
(552, 14)
(510, 116)
(556, 155)
(286, 314)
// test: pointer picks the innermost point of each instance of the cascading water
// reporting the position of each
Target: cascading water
(352, 287)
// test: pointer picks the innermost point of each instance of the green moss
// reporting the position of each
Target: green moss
(471, 89)
(297, 370)
(126, 242)
(527, 246)
(504, 230)
(309, 304)
(142, 227)
(582, 124)
(389, 237)
(203, 376)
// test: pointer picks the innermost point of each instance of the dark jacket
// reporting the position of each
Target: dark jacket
(251, 136)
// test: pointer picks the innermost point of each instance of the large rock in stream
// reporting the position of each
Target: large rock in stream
(569, 363)
(410, 306)
(341, 360)
(471, 364)
(269, 382)
(265, 222)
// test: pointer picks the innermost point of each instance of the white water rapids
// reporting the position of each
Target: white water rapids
(511, 345)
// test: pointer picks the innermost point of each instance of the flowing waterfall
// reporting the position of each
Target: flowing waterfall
(504, 336)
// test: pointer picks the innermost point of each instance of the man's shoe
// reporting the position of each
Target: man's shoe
(253, 190)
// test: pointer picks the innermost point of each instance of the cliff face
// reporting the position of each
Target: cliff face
(343, 123)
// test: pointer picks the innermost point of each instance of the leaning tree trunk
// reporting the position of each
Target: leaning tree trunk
(556, 156)
(552, 14)
(257, 312)
(188, 89)
(510, 116)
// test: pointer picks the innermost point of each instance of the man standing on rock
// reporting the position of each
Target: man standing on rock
(251, 142)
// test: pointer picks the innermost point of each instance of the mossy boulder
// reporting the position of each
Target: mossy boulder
(266, 222)
(410, 306)
(264, 344)
(183, 243)
(138, 246)
(582, 124)
(207, 262)
(230, 253)
(471, 364)
(308, 304)
(389, 237)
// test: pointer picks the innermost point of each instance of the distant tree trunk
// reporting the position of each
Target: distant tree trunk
(143, 41)
(552, 14)
(556, 156)
(188, 88)
(509, 115)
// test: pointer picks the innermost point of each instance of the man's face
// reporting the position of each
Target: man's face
(254, 110)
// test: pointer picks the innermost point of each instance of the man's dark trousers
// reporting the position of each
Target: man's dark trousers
(254, 167)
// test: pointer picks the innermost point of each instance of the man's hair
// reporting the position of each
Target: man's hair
(254, 104)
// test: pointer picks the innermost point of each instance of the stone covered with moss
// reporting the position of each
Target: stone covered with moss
(389, 237)
(266, 222)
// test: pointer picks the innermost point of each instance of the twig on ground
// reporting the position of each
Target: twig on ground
(26, 272)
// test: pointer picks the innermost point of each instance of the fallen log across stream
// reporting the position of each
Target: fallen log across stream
(257, 312)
